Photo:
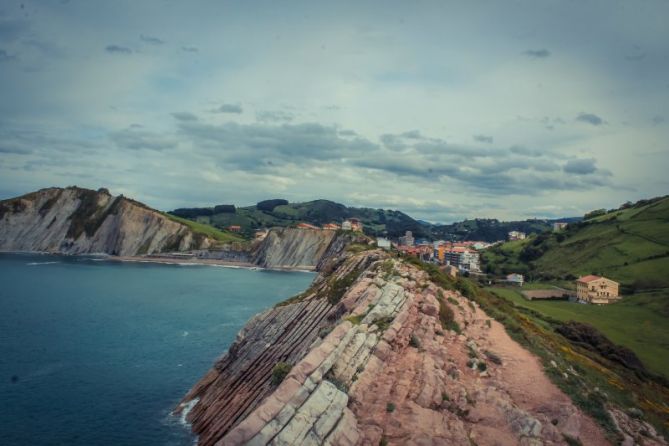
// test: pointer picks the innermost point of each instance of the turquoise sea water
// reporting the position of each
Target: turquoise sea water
(99, 352)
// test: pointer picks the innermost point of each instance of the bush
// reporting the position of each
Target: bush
(414, 341)
(390, 407)
(225, 209)
(269, 205)
(279, 372)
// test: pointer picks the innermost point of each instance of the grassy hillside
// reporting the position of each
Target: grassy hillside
(638, 322)
(377, 222)
(595, 372)
(207, 230)
(630, 245)
(318, 212)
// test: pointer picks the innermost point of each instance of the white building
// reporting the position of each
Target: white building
(517, 235)
(408, 239)
(469, 261)
(516, 279)
(382, 242)
(559, 226)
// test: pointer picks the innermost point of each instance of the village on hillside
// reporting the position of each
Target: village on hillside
(463, 257)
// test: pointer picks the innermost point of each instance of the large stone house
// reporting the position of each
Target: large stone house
(596, 290)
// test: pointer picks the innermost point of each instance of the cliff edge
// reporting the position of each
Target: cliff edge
(82, 221)
(375, 352)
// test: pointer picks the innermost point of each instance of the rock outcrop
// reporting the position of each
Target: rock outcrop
(82, 221)
(293, 248)
(380, 355)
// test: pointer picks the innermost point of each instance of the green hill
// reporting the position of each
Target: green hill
(629, 244)
(318, 212)
(377, 222)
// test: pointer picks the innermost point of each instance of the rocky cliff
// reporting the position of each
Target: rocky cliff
(80, 221)
(377, 353)
(294, 248)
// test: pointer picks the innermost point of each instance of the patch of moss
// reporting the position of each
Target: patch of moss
(279, 372)
(338, 287)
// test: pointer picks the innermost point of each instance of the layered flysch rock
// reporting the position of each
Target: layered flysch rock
(372, 364)
(81, 221)
(293, 248)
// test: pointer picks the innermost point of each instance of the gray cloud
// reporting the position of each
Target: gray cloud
(6, 57)
(151, 40)
(580, 166)
(229, 108)
(189, 49)
(590, 118)
(274, 116)
(184, 116)
(483, 138)
(12, 30)
(117, 49)
(537, 54)
(138, 139)
(251, 146)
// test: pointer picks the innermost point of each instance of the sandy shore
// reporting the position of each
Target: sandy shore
(196, 261)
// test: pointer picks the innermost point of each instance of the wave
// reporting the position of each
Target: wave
(187, 407)
(40, 263)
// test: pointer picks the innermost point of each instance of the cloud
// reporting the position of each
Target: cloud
(116, 49)
(184, 116)
(229, 108)
(483, 138)
(6, 57)
(580, 166)
(537, 54)
(189, 49)
(590, 118)
(15, 150)
(657, 120)
(274, 116)
(251, 146)
(151, 40)
(12, 30)
(138, 139)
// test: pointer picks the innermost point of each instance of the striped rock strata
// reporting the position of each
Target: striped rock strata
(373, 365)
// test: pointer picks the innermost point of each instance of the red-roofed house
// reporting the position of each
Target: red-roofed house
(596, 290)
(331, 226)
(234, 228)
(307, 226)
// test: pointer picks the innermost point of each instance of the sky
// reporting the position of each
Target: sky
(444, 110)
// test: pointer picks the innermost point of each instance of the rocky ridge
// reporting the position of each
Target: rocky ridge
(83, 221)
(293, 248)
(381, 355)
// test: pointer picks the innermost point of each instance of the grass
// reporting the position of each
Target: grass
(593, 382)
(207, 230)
(638, 322)
(628, 245)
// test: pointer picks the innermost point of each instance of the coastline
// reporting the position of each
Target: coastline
(169, 261)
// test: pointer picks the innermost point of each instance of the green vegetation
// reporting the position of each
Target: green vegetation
(338, 287)
(390, 407)
(272, 213)
(279, 372)
(581, 367)
(637, 322)
(207, 230)
(414, 341)
(629, 245)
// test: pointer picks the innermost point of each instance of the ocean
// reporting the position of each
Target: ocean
(98, 352)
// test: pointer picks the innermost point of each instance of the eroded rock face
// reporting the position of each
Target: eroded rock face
(293, 248)
(376, 366)
(82, 221)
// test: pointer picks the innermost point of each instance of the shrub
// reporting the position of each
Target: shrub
(414, 341)
(390, 407)
(279, 372)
